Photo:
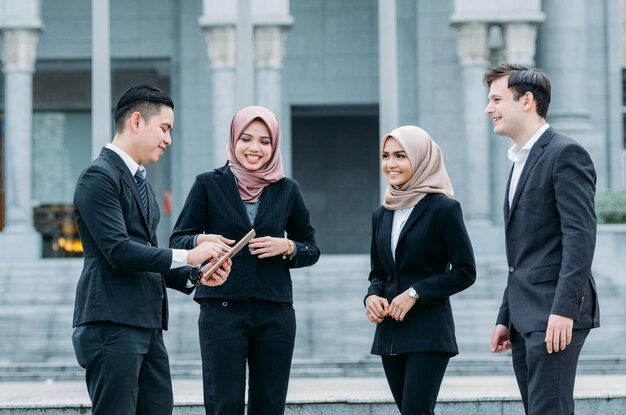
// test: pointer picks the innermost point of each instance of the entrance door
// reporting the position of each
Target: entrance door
(335, 160)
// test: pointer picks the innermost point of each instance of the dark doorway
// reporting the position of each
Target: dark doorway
(335, 160)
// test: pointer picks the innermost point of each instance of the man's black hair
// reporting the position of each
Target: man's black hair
(145, 99)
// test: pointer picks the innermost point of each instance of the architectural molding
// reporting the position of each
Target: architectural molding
(221, 46)
(269, 46)
(19, 50)
(520, 43)
(472, 43)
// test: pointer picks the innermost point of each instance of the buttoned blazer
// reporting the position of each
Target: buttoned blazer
(215, 206)
(550, 233)
(433, 255)
(125, 274)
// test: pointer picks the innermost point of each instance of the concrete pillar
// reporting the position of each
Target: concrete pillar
(387, 72)
(269, 46)
(563, 55)
(100, 76)
(473, 53)
(221, 51)
(244, 54)
(520, 41)
(19, 239)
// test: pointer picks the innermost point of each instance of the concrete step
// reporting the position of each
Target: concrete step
(462, 365)
(35, 319)
(481, 395)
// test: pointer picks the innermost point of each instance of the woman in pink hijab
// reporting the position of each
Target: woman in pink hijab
(420, 256)
(249, 319)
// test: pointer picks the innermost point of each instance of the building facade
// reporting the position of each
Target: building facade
(338, 74)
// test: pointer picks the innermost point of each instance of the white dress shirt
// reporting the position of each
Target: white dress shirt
(179, 256)
(400, 217)
(519, 157)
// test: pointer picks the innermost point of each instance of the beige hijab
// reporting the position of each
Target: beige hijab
(429, 172)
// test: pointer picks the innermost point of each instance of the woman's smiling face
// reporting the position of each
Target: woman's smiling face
(395, 164)
(254, 146)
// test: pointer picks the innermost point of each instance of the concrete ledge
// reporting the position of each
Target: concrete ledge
(460, 395)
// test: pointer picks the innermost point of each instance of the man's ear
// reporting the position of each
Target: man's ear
(135, 122)
(528, 101)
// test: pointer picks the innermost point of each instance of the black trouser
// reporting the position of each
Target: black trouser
(233, 332)
(128, 370)
(415, 379)
(546, 381)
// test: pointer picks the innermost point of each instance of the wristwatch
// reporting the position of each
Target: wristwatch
(195, 275)
(413, 293)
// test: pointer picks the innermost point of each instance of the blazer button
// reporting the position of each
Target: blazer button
(511, 269)
(148, 244)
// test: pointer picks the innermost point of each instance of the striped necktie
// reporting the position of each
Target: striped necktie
(143, 190)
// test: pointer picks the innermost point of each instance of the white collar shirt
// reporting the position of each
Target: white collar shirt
(519, 156)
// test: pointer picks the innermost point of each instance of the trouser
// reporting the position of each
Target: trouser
(546, 381)
(232, 333)
(415, 379)
(127, 369)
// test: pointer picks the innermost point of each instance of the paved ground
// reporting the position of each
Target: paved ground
(313, 390)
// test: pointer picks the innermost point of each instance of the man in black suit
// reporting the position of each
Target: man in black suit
(550, 303)
(121, 300)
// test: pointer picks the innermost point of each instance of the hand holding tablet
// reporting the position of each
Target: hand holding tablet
(210, 268)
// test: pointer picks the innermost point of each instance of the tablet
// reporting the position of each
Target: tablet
(209, 268)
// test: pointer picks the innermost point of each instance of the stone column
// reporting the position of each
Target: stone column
(473, 53)
(520, 41)
(563, 54)
(100, 77)
(269, 47)
(19, 239)
(387, 72)
(221, 50)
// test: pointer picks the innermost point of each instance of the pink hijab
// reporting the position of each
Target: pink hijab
(251, 183)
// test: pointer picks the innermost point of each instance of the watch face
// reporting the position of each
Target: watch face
(412, 292)
(194, 275)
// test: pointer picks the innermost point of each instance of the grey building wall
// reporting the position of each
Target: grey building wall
(331, 60)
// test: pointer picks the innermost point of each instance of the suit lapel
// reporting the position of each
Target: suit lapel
(385, 234)
(128, 180)
(535, 154)
(229, 187)
(506, 207)
(267, 198)
(415, 214)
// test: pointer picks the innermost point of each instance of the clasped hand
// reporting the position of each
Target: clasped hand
(377, 308)
(268, 246)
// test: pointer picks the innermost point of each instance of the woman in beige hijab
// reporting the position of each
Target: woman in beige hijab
(421, 255)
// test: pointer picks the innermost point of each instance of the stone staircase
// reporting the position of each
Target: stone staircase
(334, 337)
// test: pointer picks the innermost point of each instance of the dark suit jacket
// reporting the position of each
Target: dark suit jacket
(124, 274)
(215, 206)
(550, 238)
(433, 255)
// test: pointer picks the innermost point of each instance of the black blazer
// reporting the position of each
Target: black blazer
(124, 274)
(433, 255)
(550, 238)
(215, 206)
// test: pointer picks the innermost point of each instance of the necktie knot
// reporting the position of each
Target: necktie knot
(143, 190)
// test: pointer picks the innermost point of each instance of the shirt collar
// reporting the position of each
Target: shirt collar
(128, 160)
(516, 154)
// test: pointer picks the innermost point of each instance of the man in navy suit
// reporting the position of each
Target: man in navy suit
(121, 300)
(550, 303)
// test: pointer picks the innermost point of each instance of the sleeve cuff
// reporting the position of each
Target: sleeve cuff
(179, 258)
